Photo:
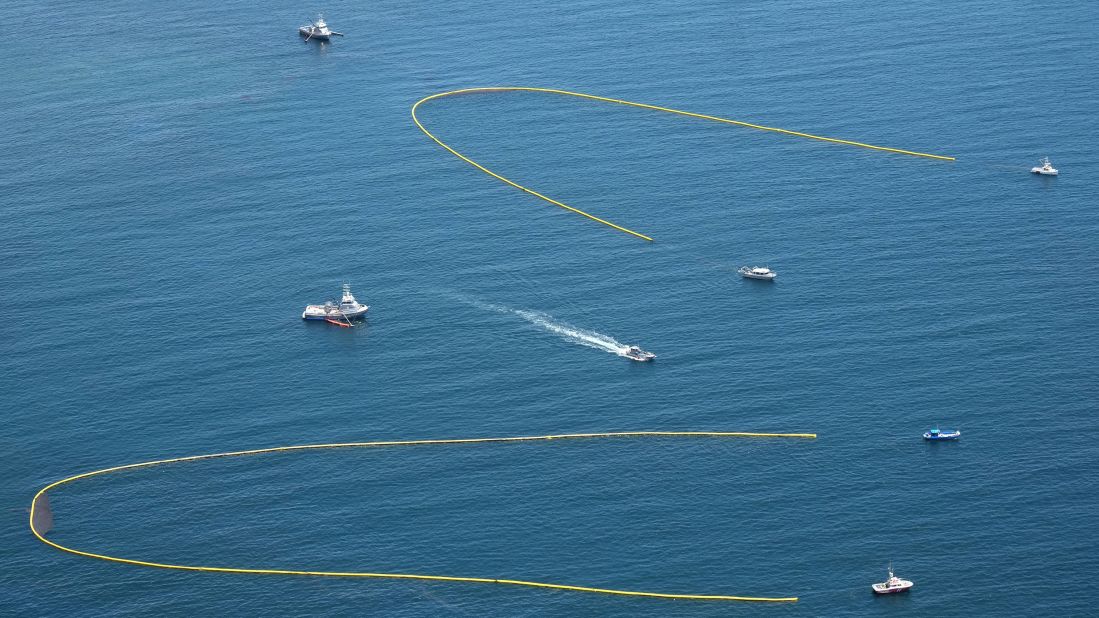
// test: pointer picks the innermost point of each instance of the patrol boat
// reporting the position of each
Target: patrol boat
(757, 272)
(1045, 169)
(635, 353)
(317, 30)
(891, 585)
(347, 309)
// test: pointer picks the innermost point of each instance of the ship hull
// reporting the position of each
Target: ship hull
(317, 312)
(890, 590)
(316, 36)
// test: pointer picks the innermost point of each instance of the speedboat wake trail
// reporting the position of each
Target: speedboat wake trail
(566, 331)
(572, 333)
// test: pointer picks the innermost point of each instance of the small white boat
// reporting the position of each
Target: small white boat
(635, 353)
(891, 585)
(317, 30)
(347, 309)
(1045, 169)
(757, 272)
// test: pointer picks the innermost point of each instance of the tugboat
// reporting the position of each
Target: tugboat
(635, 353)
(1045, 169)
(757, 272)
(336, 313)
(937, 434)
(891, 585)
(317, 30)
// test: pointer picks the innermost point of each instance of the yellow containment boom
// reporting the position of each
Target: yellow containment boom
(41, 502)
(593, 97)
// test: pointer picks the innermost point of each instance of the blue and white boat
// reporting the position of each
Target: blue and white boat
(941, 434)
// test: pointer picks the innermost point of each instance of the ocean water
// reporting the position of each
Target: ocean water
(179, 179)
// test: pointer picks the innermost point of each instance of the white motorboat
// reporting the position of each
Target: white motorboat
(1044, 169)
(757, 272)
(635, 353)
(891, 585)
(347, 309)
(317, 30)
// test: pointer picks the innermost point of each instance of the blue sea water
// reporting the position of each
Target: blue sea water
(179, 179)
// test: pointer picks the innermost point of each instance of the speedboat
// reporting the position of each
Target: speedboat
(347, 309)
(635, 353)
(317, 30)
(938, 434)
(1044, 169)
(757, 272)
(891, 585)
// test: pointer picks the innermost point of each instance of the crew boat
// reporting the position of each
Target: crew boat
(635, 353)
(1045, 169)
(891, 585)
(937, 434)
(317, 30)
(337, 313)
(757, 272)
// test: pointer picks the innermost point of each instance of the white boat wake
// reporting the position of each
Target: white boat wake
(566, 331)
(571, 333)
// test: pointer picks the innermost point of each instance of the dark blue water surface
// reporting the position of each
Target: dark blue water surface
(178, 179)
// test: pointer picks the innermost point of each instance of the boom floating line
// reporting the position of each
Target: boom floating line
(658, 108)
(41, 496)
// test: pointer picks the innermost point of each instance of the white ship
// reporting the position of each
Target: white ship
(317, 30)
(1045, 169)
(757, 272)
(635, 353)
(347, 309)
(891, 585)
